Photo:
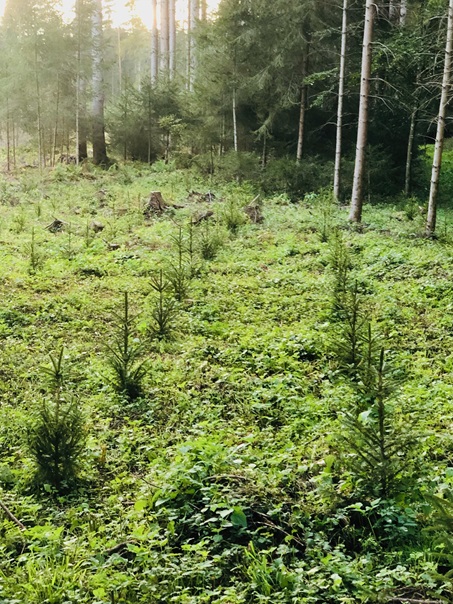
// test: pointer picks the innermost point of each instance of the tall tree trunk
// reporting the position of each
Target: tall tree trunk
(204, 10)
(154, 44)
(99, 146)
(410, 152)
(8, 137)
(81, 113)
(235, 121)
(57, 117)
(164, 48)
(403, 12)
(355, 214)
(172, 38)
(41, 153)
(120, 63)
(337, 169)
(194, 15)
(438, 147)
(303, 104)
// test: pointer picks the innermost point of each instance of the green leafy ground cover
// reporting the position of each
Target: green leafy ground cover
(249, 468)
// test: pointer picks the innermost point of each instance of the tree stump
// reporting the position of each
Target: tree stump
(253, 211)
(201, 217)
(56, 226)
(155, 204)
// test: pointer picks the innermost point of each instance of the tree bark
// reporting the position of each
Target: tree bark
(438, 147)
(303, 105)
(154, 44)
(194, 15)
(403, 12)
(164, 47)
(172, 38)
(99, 146)
(410, 152)
(235, 122)
(355, 214)
(204, 10)
(337, 169)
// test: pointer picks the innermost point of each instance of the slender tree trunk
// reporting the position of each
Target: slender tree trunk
(120, 63)
(8, 138)
(154, 44)
(438, 147)
(392, 10)
(355, 214)
(235, 122)
(337, 169)
(149, 126)
(99, 146)
(303, 105)
(403, 12)
(172, 38)
(14, 144)
(194, 15)
(38, 114)
(264, 153)
(164, 49)
(55, 132)
(410, 152)
(204, 10)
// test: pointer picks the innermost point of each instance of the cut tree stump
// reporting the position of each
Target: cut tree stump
(253, 211)
(97, 226)
(56, 226)
(155, 204)
(201, 197)
(202, 217)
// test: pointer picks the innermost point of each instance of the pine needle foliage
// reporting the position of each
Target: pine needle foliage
(124, 356)
(341, 267)
(164, 310)
(376, 441)
(57, 439)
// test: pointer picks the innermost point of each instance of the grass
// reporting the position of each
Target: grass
(226, 481)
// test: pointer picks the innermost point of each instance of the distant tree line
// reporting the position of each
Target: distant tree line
(298, 94)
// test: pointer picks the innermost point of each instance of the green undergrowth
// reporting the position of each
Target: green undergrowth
(238, 468)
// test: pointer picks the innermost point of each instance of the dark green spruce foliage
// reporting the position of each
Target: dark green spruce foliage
(164, 309)
(124, 356)
(180, 272)
(377, 442)
(57, 439)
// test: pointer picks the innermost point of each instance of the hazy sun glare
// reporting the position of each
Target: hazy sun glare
(121, 14)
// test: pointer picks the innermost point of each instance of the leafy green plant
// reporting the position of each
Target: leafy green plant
(124, 355)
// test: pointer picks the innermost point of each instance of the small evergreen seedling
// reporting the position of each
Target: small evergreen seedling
(340, 263)
(35, 257)
(164, 310)
(376, 440)
(210, 241)
(57, 440)
(233, 217)
(124, 356)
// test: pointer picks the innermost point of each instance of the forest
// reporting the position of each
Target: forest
(226, 326)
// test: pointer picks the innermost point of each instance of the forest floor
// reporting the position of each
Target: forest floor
(269, 457)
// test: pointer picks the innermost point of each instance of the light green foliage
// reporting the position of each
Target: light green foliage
(57, 437)
(238, 474)
(124, 355)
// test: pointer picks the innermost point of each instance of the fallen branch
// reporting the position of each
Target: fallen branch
(412, 601)
(12, 517)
